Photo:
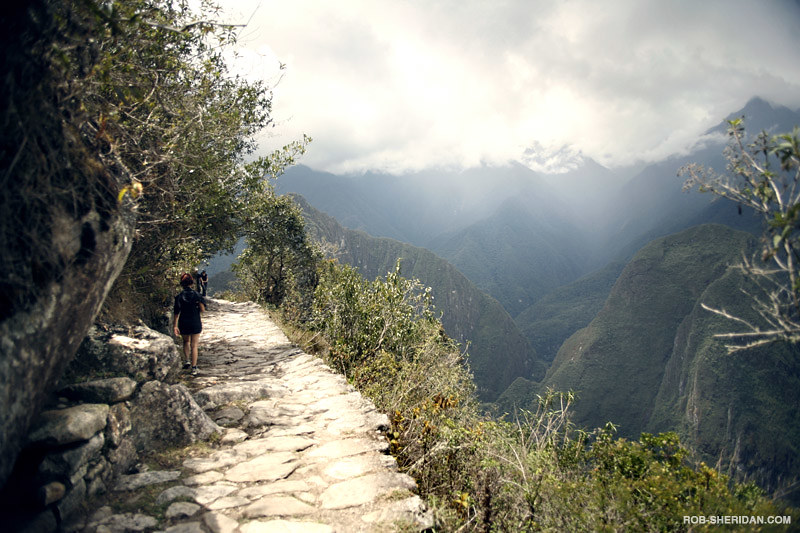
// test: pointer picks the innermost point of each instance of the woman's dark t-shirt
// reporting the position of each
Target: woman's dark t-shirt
(187, 303)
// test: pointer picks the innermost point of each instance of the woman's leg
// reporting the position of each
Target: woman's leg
(187, 347)
(195, 340)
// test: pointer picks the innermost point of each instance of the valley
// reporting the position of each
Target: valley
(585, 282)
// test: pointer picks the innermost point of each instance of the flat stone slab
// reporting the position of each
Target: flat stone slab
(206, 478)
(271, 467)
(217, 395)
(275, 444)
(365, 489)
(346, 447)
(216, 461)
(358, 465)
(278, 506)
(181, 510)
(136, 481)
(110, 390)
(65, 426)
(207, 494)
(285, 526)
(220, 523)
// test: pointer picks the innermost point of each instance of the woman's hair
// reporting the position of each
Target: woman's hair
(186, 280)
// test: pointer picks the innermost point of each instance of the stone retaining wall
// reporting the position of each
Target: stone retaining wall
(83, 442)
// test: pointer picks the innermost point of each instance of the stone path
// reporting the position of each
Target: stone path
(301, 450)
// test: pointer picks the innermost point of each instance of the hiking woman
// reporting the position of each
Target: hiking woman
(186, 322)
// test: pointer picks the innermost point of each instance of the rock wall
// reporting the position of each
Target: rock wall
(94, 430)
(64, 232)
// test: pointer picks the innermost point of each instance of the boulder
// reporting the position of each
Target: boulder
(165, 414)
(139, 353)
(69, 461)
(66, 426)
(111, 390)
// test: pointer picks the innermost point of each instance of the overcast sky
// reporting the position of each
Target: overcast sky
(407, 84)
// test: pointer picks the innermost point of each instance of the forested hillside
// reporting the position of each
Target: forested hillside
(626, 346)
(648, 361)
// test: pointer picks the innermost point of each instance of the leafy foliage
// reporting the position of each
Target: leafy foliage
(279, 260)
(765, 176)
(166, 109)
(57, 166)
(363, 319)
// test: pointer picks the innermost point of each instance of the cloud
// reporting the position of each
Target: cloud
(407, 85)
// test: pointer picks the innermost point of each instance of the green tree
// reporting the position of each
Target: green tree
(279, 260)
(763, 175)
(167, 109)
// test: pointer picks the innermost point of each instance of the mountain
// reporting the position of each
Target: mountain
(563, 311)
(498, 352)
(738, 410)
(505, 228)
(625, 347)
(649, 361)
(518, 254)
(652, 204)
(412, 208)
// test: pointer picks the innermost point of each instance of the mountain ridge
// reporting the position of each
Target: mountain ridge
(468, 313)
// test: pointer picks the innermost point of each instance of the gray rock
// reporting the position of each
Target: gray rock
(68, 461)
(205, 478)
(136, 481)
(51, 493)
(73, 500)
(284, 526)
(181, 510)
(225, 393)
(233, 436)
(110, 390)
(347, 447)
(411, 512)
(210, 493)
(219, 523)
(284, 486)
(175, 493)
(119, 424)
(123, 457)
(66, 426)
(186, 527)
(228, 415)
(96, 486)
(139, 353)
(168, 415)
(124, 523)
(216, 461)
(270, 467)
(278, 506)
(228, 502)
(78, 231)
(364, 489)
(274, 444)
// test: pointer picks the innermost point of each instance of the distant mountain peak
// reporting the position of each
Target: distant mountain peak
(759, 114)
(552, 160)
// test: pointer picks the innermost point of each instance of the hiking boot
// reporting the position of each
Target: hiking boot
(187, 365)
(194, 370)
